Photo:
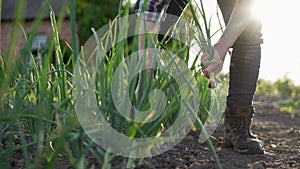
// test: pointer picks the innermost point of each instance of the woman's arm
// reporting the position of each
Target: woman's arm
(240, 18)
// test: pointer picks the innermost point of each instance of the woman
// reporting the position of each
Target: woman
(243, 34)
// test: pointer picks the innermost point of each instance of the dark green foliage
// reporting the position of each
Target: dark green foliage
(94, 13)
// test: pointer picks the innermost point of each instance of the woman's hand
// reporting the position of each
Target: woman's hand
(215, 64)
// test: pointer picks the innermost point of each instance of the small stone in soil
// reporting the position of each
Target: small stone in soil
(196, 165)
(257, 165)
(178, 163)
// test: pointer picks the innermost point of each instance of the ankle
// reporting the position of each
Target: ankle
(234, 111)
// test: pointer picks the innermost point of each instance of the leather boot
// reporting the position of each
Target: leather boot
(237, 133)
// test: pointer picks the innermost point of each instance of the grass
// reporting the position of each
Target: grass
(38, 122)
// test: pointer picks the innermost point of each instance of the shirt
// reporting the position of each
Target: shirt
(154, 9)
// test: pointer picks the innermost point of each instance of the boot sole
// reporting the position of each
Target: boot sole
(249, 151)
(244, 151)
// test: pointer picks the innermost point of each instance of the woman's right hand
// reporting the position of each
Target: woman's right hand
(214, 64)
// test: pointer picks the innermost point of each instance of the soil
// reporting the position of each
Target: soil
(279, 132)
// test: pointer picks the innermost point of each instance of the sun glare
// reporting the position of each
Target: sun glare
(281, 34)
(258, 8)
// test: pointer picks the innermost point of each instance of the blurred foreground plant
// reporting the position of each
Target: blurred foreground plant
(38, 123)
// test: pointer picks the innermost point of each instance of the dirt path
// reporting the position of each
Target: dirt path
(279, 132)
